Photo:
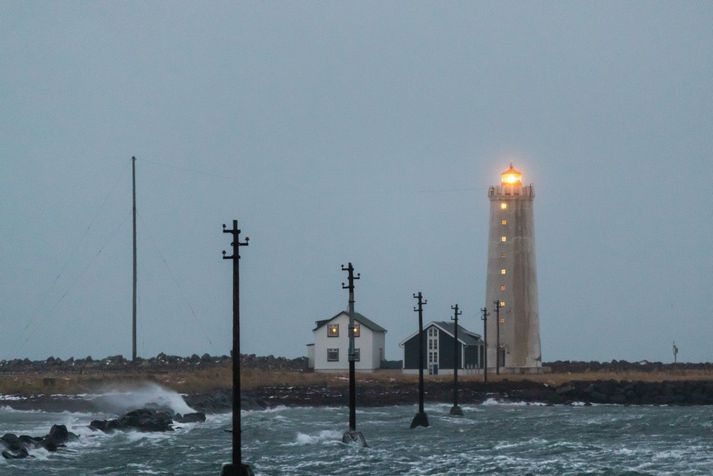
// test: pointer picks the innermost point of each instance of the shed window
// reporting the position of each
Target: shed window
(332, 355)
(333, 330)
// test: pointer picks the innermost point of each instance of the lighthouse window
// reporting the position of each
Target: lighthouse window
(503, 238)
(502, 287)
(332, 355)
(333, 330)
(503, 206)
(503, 221)
(503, 271)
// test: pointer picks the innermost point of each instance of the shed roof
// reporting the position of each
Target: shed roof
(465, 336)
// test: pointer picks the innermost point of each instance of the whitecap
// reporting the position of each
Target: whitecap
(322, 436)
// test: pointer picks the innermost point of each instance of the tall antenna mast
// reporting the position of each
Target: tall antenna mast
(133, 301)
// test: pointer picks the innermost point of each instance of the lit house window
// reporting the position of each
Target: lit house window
(503, 206)
(502, 287)
(503, 238)
(503, 221)
(333, 330)
(502, 304)
(356, 330)
(357, 354)
(332, 355)
(503, 271)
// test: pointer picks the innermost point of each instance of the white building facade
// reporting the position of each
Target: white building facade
(330, 351)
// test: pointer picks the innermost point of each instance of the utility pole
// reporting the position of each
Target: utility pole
(484, 318)
(497, 336)
(133, 293)
(421, 419)
(675, 352)
(352, 436)
(455, 409)
(236, 467)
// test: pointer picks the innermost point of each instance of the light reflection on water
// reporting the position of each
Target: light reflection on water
(492, 439)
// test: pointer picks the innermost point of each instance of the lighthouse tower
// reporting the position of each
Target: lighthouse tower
(512, 276)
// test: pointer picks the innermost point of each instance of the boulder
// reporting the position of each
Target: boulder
(189, 417)
(107, 426)
(146, 420)
(57, 437)
(19, 446)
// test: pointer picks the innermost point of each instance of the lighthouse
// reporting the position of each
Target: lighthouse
(511, 281)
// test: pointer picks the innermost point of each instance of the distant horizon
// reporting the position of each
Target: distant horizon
(227, 356)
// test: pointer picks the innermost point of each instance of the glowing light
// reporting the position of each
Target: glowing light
(503, 206)
(503, 271)
(511, 176)
(503, 222)
(503, 238)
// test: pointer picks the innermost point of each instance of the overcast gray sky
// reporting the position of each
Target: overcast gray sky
(365, 132)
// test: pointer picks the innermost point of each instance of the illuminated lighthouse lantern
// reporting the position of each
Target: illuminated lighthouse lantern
(512, 276)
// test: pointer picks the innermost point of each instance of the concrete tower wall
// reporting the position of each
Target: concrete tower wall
(512, 277)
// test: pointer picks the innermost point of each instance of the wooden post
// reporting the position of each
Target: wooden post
(420, 419)
(455, 409)
(485, 343)
(133, 291)
(352, 436)
(236, 467)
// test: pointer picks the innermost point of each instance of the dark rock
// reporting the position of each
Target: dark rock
(57, 437)
(12, 442)
(107, 426)
(146, 420)
(19, 454)
(565, 389)
(189, 417)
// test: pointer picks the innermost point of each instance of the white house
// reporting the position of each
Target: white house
(330, 351)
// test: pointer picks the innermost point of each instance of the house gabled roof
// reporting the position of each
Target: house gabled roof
(360, 318)
(465, 336)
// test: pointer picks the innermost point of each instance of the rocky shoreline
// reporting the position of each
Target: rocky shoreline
(588, 392)
(404, 393)
(76, 385)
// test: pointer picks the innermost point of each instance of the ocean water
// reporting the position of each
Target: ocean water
(492, 438)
